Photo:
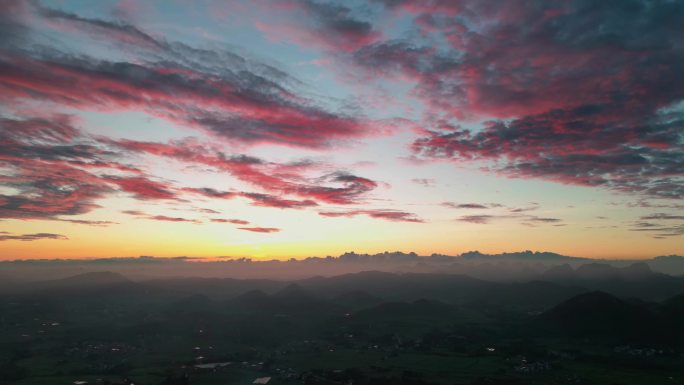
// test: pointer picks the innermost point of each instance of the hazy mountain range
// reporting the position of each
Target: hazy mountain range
(506, 267)
(626, 313)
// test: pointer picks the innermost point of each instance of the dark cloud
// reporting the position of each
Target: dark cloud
(320, 24)
(659, 230)
(266, 200)
(13, 30)
(142, 188)
(89, 222)
(659, 216)
(479, 219)
(524, 209)
(543, 219)
(424, 6)
(116, 30)
(55, 169)
(570, 91)
(527, 220)
(211, 193)
(389, 215)
(352, 187)
(218, 92)
(133, 212)
(652, 224)
(453, 205)
(63, 192)
(206, 210)
(647, 204)
(394, 58)
(32, 237)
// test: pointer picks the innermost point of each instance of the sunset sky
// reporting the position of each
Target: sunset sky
(278, 129)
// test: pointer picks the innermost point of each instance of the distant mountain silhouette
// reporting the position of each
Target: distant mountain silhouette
(357, 299)
(503, 267)
(600, 271)
(527, 255)
(419, 308)
(600, 315)
(250, 297)
(559, 272)
(636, 280)
(99, 278)
(368, 288)
(674, 309)
(89, 287)
(9, 283)
(293, 293)
(537, 293)
(533, 294)
(596, 271)
(291, 298)
(390, 287)
(669, 258)
(193, 303)
(215, 288)
(294, 296)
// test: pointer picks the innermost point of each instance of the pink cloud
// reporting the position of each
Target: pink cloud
(260, 229)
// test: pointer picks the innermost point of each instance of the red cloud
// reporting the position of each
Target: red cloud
(279, 178)
(569, 93)
(265, 200)
(165, 218)
(240, 103)
(260, 229)
(233, 221)
(88, 222)
(162, 218)
(352, 187)
(211, 193)
(142, 188)
(215, 91)
(53, 167)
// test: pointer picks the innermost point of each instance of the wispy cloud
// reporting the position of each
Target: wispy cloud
(32, 237)
(426, 182)
(161, 218)
(389, 215)
(260, 229)
(453, 205)
(233, 221)
(217, 91)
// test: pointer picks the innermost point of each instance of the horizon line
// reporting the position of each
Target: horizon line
(221, 258)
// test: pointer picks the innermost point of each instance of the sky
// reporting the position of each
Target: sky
(296, 128)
